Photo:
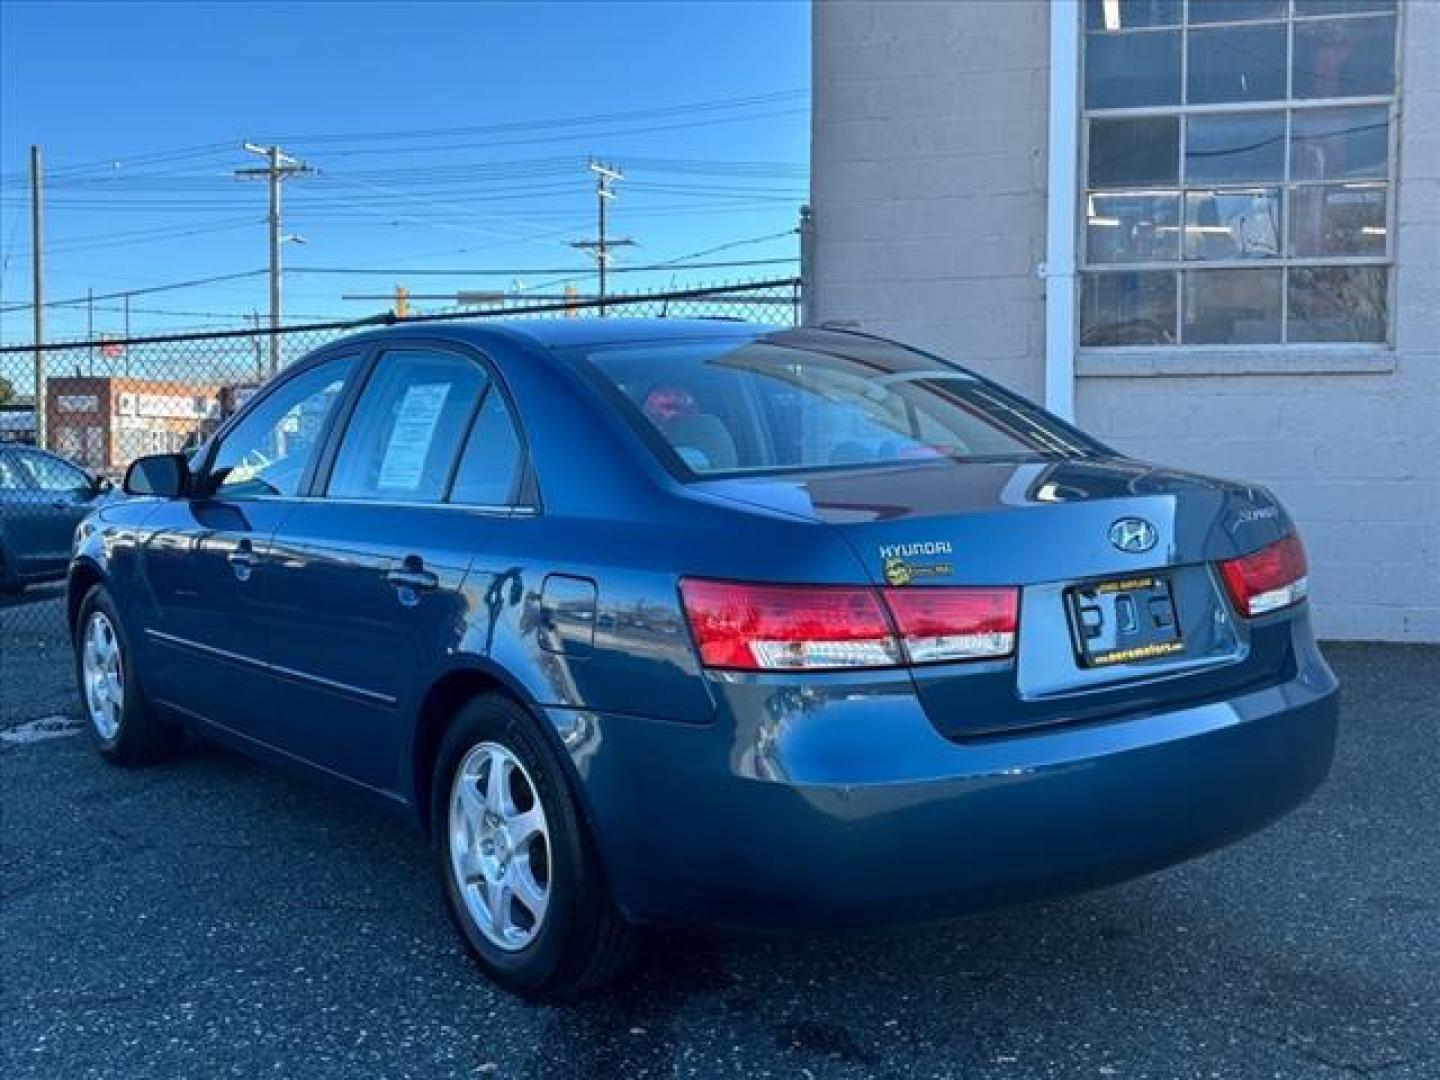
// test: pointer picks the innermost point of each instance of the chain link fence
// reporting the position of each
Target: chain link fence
(105, 403)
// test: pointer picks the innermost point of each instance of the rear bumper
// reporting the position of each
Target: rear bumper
(841, 804)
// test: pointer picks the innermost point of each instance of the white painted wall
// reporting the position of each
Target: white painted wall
(929, 192)
(928, 176)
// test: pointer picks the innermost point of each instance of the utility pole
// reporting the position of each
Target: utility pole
(278, 166)
(259, 359)
(125, 361)
(37, 259)
(806, 312)
(605, 175)
(90, 326)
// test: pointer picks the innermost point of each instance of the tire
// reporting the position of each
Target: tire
(123, 726)
(580, 941)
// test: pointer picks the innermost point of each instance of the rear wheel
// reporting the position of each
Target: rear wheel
(125, 729)
(521, 879)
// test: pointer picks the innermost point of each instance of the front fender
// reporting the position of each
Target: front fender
(107, 549)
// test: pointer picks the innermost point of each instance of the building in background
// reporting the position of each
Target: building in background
(105, 422)
(1207, 230)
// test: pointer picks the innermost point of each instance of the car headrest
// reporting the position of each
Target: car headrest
(702, 441)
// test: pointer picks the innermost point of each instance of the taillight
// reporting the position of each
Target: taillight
(1269, 579)
(785, 627)
(955, 623)
(804, 627)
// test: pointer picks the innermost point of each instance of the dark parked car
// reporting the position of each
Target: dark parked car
(42, 499)
(647, 622)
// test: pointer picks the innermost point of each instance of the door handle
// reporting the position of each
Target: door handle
(242, 560)
(413, 578)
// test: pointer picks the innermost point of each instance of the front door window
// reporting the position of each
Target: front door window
(266, 454)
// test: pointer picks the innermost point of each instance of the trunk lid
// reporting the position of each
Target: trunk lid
(1045, 526)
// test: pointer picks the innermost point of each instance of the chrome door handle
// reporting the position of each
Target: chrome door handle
(413, 579)
(242, 561)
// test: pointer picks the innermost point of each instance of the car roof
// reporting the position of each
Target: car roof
(567, 333)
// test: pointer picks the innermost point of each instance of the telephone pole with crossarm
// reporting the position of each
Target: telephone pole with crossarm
(278, 166)
(605, 176)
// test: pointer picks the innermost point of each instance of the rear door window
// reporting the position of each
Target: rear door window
(50, 473)
(9, 475)
(489, 473)
(402, 442)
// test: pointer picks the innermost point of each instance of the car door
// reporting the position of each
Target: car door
(369, 571)
(61, 494)
(19, 521)
(206, 558)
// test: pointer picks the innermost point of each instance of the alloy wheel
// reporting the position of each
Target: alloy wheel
(104, 675)
(500, 852)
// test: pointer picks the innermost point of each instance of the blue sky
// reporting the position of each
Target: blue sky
(140, 110)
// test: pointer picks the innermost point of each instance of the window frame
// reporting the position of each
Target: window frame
(525, 499)
(1282, 263)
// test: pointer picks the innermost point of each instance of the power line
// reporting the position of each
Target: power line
(438, 173)
(462, 210)
(140, 236)
(714, 104)
(679, 261)
(153, 157)
(728, 246)
(178, 313)
(473, 272)
(167, 287)
(570, 136)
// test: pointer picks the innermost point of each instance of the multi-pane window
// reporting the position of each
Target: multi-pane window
(1238, 171)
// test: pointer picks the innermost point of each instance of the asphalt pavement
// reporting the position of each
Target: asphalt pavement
(36, 678)
(214, 917)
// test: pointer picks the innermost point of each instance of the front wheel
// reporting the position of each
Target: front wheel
(521, 878)
(124, 728)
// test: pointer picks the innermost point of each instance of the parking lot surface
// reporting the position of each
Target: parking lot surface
(213, 917)
(36, 677)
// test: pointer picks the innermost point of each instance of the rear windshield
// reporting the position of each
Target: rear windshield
(759, 407)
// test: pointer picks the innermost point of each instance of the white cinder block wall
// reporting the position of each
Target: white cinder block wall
(928, 186)
(928, 176)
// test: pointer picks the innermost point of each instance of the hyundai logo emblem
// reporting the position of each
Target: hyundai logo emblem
(1134, 535)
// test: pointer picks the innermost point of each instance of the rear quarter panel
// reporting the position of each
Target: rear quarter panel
(639, 660)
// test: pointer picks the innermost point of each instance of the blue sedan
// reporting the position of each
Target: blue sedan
(646, 622)
(42, 499)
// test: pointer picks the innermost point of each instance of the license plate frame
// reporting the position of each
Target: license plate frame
(1124, 620)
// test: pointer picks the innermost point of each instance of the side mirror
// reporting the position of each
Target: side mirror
(164, 475)
(103, 485)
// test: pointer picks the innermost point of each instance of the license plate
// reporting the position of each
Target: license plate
(1125, 620)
